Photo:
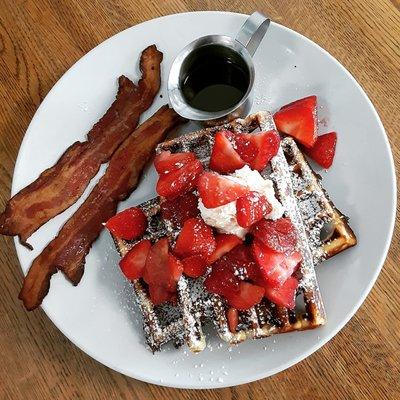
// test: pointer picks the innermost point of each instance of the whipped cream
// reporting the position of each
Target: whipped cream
(224, 217)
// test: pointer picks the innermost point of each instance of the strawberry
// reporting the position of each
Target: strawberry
(162, 268)
(177, 211)
(224, 158)
(179, 181)
(285, 295)
(248, 296)
(278, 235)
(323, 150)
(166, 162)
(128, 224)
(156, 270)
(216, 190)
(224, 244)
(309, 102)
(299, 119)
(159, 295)
(275, 268)
(195, 238)
(194, 266)
(222, 280)
(266, 258)
(175, 269)
(233, 319)
(251, 208)
(240, 258)
(132, 264)
(258, 149)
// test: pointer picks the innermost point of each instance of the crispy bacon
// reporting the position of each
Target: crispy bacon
(60, 186)
(68, 250)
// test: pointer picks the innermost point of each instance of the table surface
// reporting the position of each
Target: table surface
(39, 41)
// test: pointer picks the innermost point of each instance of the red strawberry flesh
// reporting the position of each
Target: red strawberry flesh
(258, 149)
(285, 295)
(299, 120)
(180, 181)
(216, 190)
(156, 269)
(323, 150)
(222, 280)
(251, 208)
(278, 235)
(194, 266)
(248, 296)
(166, 162)
(224, 244)
(224, 158)
(159, 295)
(233, 319)
(179, 210)
(195, 238)
(128, 224)
(132, 264)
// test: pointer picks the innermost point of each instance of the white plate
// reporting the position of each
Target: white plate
(98, 315)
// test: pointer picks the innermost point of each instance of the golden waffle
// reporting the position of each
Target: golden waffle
(291, 174)
(328, 229)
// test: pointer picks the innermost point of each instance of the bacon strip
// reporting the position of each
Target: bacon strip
(60, 186)
(68, 250)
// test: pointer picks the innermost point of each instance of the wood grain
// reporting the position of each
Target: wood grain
(39, 41)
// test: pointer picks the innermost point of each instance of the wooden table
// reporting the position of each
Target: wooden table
(40, 40)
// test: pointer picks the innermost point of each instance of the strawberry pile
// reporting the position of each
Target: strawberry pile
(243, 273)
(158, 267)
(265, 268)
(232, 151)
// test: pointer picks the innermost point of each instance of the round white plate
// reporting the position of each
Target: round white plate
(99, 315)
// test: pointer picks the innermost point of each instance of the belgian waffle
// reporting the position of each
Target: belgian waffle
(297, 186)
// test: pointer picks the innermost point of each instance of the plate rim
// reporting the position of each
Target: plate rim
(338, 327)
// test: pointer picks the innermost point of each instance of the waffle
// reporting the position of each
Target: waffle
(297, 186)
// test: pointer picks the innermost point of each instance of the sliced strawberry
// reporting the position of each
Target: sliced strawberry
(285, 295)
(173, 299)
(266, 258)
(239, 258)
(258, 149)
(309, 102)
(222, 279)
(195, 238)
(159, 295)
(224, 158)
(128, 224)
(285, 269)
(232, 316)
(323, 150)
(224, 244)
(177, 211)
(248, 296)
(253, 274)
(156, 270)
(251, 208)
(278, 235)
(216, 190)
(180, 181)
(299, 119)
(166, 162)
(133, 262)
(175, 269)
(275, 268)
(194, 266)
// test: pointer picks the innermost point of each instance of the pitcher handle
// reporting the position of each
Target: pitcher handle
(252, 31)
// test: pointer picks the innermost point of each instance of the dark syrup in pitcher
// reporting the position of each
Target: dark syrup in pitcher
(215, 80)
